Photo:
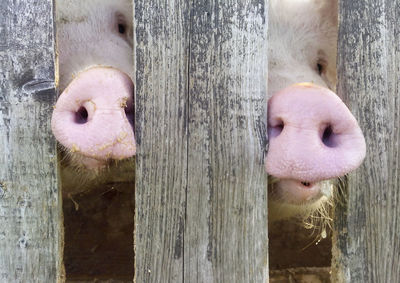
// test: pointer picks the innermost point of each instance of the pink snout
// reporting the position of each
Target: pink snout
(312, 135)
(94, 115)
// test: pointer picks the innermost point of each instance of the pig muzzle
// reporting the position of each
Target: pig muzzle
(94, 116)
(312, 136)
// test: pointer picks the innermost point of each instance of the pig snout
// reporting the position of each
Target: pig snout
(312, 136)
(94, 116)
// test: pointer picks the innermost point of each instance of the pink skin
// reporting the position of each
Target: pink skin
(296, 192)
(302, 152)
(90, 117)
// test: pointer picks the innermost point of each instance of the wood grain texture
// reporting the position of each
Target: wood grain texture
(368, 227)
(201, 189)
(161, 59)
(226, 235)
(29, 204)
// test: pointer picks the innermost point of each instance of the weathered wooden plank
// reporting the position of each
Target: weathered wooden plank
(367, 243)
(29, 203)
(226, 236)
(201, 206)
(161, 59)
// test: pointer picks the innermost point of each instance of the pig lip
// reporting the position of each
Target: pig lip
(296, 192)
(307, 185)
(304, 185)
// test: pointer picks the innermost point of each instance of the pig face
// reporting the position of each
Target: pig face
(313, 137)
(93, 33)
(93, 117)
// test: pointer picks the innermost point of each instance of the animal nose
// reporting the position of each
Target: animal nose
(312, 135)
(94, 115)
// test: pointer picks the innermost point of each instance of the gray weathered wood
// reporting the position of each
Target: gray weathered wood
(161, 59)
(226, 235)
(367, 243)
(29, 204)
(201, 189)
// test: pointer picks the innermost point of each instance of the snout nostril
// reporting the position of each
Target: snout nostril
(81, 116)
(306, 184)
(130, 115)
(328, 137)
(275, 130)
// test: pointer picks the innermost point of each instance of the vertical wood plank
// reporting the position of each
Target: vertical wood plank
(201, 189)
(29, 202)
(367, 243)
(161, 59)
(226, 235)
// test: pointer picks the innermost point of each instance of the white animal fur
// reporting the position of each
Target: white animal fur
(94, 21)
(300, 33)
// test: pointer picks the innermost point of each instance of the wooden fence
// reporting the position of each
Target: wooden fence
(201, 190)
(367, 241)
(30, 223)
(201, 199)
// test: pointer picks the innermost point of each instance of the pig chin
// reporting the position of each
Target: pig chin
(80, 173)
(92, 165)
(289, 198)
(89, 163)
